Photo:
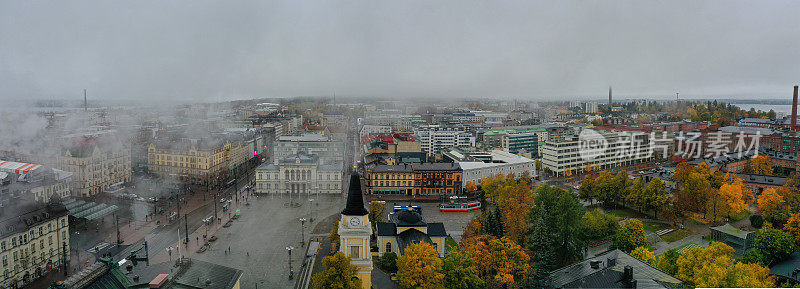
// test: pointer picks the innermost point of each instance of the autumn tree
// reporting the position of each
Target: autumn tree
(376, 213)
(760, 165)
(419, 267)
(493, 222)
(334, 236)
(470, 187)
(731, 198)
(713, 266)
(514, 199)
(642, 253)
(588, 189)
(793, 228)
(459, 271)
(772, 206)
(338, 273)
(502, 260)
(630, 235)
(556, 228)
(597, 224)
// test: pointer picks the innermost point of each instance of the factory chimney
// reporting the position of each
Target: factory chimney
(794, 109)
(85, 104)
(609, 96)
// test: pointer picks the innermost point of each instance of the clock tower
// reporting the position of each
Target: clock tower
(355, 231)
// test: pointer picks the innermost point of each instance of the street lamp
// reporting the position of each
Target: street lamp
(302, 235)
(310, 211)
(291, 272)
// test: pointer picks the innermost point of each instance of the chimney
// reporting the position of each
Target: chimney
(794, 109)
(627, 278)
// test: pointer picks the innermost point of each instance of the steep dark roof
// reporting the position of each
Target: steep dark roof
(355, 202)
(646, 275)
(436, 230)
(410, 236)
(386, 229)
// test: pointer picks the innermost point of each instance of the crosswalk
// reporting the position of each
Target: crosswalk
(664, 232)
(97, 248)
(688, 246)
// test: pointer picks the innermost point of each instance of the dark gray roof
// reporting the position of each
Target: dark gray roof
(786, 267)
(401, 168)
(408, 219)
(304, 157)
(410, 236)
(198, 272)
(436, 230)
(763, 179)
(436, 167)
(645, 275)
(386, 229)
(26, 214)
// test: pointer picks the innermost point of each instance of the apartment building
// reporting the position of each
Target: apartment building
(390, 179)
(96, 164)
(435, 138)
(199, 161)
(568, 155)
(34, 240)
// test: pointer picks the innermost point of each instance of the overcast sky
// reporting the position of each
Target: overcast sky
(218, 50)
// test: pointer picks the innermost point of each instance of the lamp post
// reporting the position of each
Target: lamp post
(291, 272)
(302, 229)
(310, 211)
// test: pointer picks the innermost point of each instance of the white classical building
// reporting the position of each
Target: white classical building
(301, 174)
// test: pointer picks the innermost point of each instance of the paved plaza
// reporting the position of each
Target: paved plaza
(258, 239)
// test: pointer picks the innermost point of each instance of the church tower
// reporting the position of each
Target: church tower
(355, 231)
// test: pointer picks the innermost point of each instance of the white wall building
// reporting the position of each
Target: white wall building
(369, 129)
(502, 163)
(566, 156)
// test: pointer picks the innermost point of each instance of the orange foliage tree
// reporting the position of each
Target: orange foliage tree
(713, 266)
(501, 260)
(760, 164)
(514, 198)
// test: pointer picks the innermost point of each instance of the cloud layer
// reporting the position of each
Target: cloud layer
(219, 50)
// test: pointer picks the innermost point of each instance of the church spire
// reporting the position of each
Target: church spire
(355, 202)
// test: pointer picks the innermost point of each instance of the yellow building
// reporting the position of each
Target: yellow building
(198, 162)
(405, 228)
(33, 239)
(355, 230)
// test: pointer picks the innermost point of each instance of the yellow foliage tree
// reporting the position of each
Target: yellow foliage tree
(420, 267)
(470, 187)
(502, 259)
(712, 267)
(761, 165)
(642, 253)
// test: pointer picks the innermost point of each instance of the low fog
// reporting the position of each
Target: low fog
(219, 50)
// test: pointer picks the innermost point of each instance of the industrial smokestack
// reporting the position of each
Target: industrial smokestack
(794, 109)
(609, 96)
(85, 104)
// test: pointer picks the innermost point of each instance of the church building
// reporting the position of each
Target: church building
(355, 230)
(405, 228)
